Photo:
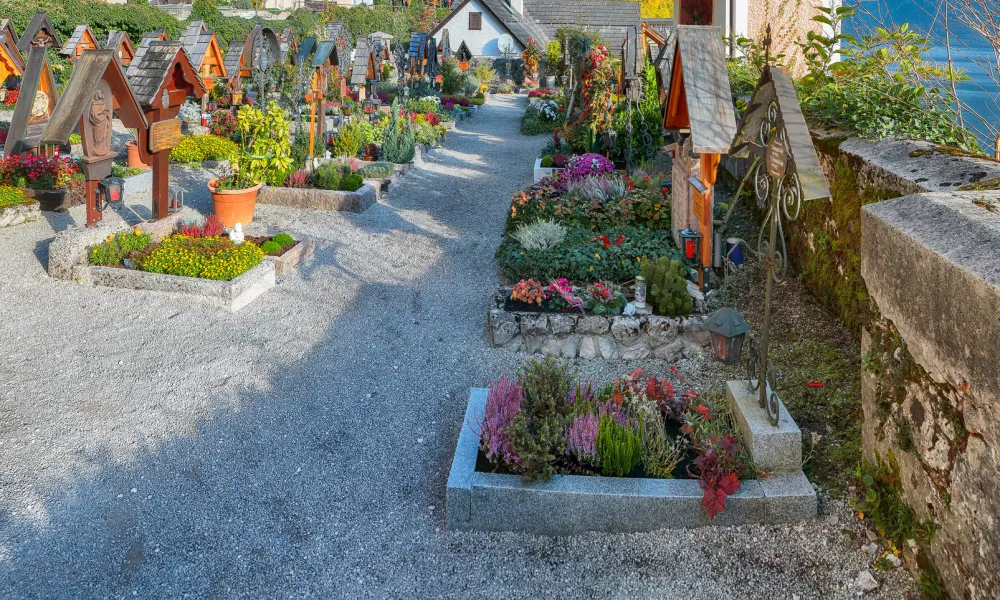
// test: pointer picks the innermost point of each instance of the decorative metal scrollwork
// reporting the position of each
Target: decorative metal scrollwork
(761, 184)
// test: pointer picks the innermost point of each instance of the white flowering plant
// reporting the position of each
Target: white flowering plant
(548, 109)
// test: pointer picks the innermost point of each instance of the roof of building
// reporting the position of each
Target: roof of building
(197, 50)
(520, 27)
(607, 17)
(150, 67)
(190, 36)
(40, 21)
(359, 73)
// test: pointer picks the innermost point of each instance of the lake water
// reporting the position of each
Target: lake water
(980, 94)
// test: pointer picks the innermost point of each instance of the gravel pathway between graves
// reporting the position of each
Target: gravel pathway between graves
(300, 447)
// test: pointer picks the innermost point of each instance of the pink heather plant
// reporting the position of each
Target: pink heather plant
(616, 411)
(581, 438)
(502, 405)
(587, 165)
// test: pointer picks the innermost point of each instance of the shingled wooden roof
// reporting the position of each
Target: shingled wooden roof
(83, 34)
(120, 42)
(359, 73)
(151, 67)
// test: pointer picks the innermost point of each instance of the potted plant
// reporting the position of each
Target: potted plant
(132, 151)
(43, 178)
(265, 155)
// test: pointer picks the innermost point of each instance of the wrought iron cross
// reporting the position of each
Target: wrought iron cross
(785, 173)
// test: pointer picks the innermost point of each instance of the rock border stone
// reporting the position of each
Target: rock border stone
(18, 214)
(291, 259)
(588, 337)
(318, 199)
(574, 504)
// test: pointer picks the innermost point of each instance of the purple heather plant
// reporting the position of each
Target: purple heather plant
(614, 410)
(581, 438)
(502, 405)
(587, 165)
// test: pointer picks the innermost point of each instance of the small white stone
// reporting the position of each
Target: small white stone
(134, 490)
(866, 581)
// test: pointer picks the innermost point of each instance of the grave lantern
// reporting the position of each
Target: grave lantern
(640, 292)
(111, 190)
(728, 330)
(610, 137)
(691, 245)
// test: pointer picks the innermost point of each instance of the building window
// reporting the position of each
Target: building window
(475, 21)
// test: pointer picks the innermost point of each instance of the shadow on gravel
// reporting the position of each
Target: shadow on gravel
(327, 482)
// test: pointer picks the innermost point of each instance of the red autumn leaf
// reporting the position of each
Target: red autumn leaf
(729, 483)
(714, 501)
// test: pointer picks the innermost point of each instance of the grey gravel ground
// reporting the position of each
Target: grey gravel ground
(151, 448)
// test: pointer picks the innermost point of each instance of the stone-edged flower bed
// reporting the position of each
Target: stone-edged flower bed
(320, 199)
(569, 333)
(169, 255)
(531, 458)
(544, 172)
(15, 208)
(286, 253)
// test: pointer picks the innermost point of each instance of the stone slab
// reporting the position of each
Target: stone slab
(18, 214)
(230, 295)
(318, 199)
(572, 504)
(772, 448)
(290, 259)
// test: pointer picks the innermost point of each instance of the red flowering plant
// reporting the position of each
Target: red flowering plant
(563, 296)
(432, 118)
(223, 124)
(604, 298)
(37, 172)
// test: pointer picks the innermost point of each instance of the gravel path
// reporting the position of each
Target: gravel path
(301, 447)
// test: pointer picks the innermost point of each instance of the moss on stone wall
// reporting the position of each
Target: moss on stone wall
(824, 243)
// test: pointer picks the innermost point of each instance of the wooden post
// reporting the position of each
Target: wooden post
(93, 216)
(312, 123)
(161, 183)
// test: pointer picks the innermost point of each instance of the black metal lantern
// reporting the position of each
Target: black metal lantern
(110, 190)
(728, 330)
(690, 245)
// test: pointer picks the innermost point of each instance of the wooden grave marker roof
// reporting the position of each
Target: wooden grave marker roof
(122, 44)
(326, 54)
(306, 49)
(82, 39)
(444, 46)
(234, 59)
(418, 46)
(35, 103)
(159, 67)
(8, 26)
(160, 35)
(776, 88)
(90, 69)
(11, 61)
(39, 32)
(360, 72)
(700, 97)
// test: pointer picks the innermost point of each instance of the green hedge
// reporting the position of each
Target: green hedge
(134, 19)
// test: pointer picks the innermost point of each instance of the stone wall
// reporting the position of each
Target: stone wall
(824, 242)
(931, 382)
(598, 336)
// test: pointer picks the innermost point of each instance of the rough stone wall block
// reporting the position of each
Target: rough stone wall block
(931, 264)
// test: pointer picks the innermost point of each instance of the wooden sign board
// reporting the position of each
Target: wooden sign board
(164, 135)
(776, 158)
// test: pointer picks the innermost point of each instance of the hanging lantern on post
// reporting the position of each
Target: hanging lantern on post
(728, 330)
(690, 245)
(110, 190)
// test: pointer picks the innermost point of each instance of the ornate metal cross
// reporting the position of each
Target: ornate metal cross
(785, 173)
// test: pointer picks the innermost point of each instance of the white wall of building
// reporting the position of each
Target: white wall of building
(482, 43)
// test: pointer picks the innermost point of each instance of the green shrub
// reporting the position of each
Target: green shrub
(377, 170)
(666, 279)
(271, 248)
(199, 148)
(207, 258)
(583, 258)
(117, 247)
(452, 78)
(533, 124)
(123, 171)
(351, 183)
(74, 138)
(283, 240)
(536, 433)
(352, 137)
(619, 447)
(399, 145)
(546, 162)
(329, 175)
(10, 195)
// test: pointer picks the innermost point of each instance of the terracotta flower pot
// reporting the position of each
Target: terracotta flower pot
(132, 148)
(233, 206)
